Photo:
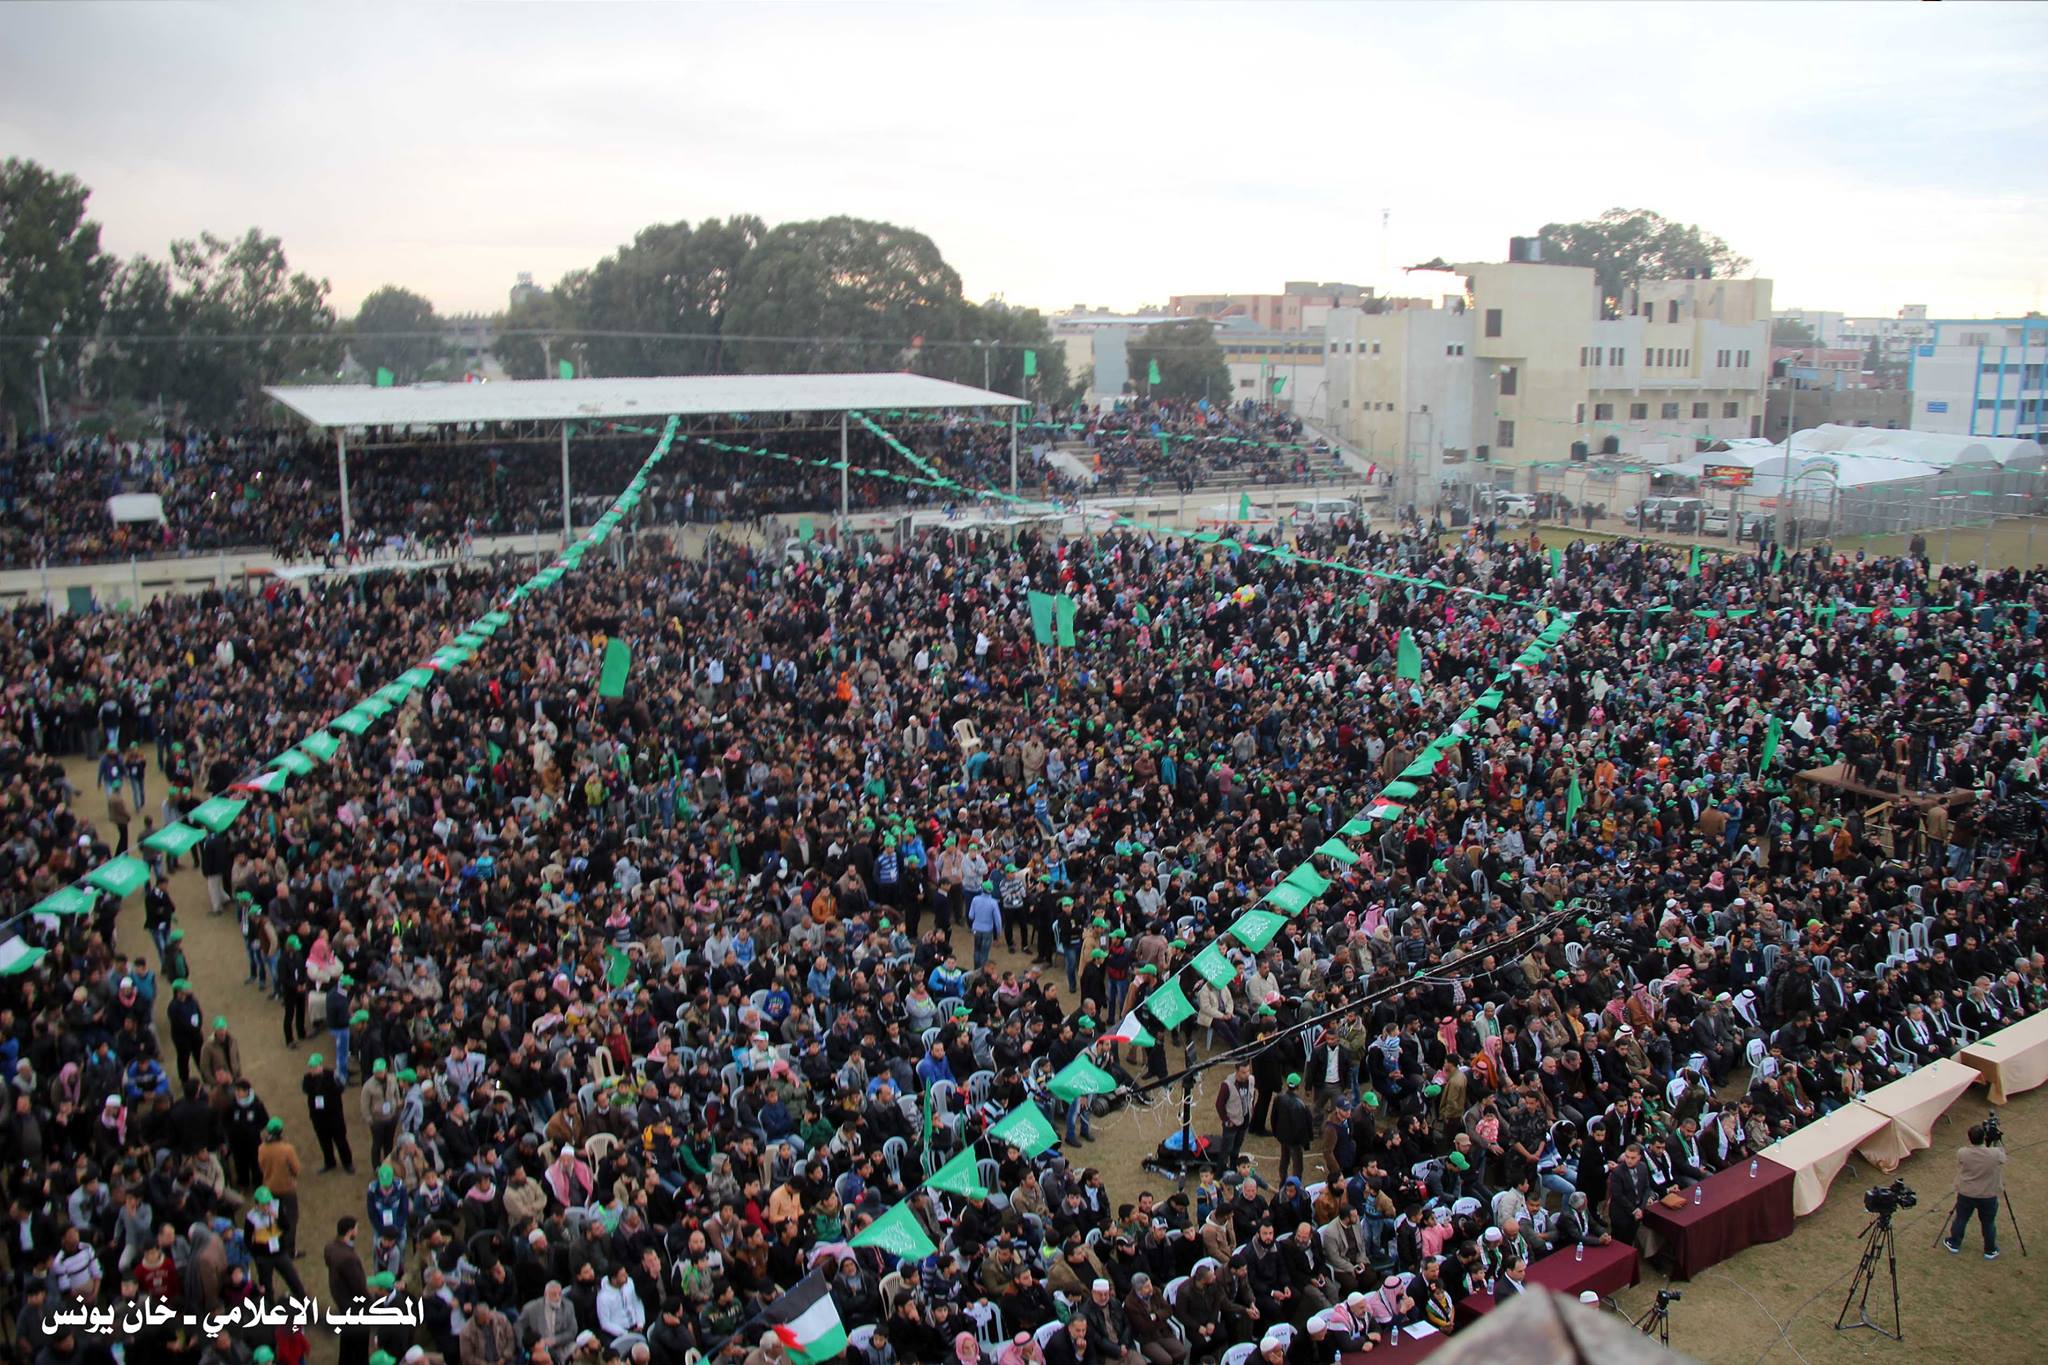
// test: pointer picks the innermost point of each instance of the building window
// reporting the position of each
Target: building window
(1603, 412)
(1582, 357)
(1375, 348)
(1721, 359)
(1699, 411)
(1742, 360)
(1454, 350)
(1579, 417)
(1614, 355)
(1493, 324)
(1506, 439)
(1507, 381)
(1667, 410)
(1638, 412)
(1731, 409)
(1672, 316)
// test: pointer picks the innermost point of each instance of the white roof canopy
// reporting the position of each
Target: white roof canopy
(575, 400)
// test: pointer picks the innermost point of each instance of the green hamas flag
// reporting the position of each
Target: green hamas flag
(1065, 608)
(1408, 659)
(1077, 1078)
(1152, 373)
(897, 1232)
(1572, 801)
(618, 968)
(1169, 1004)
(1556, 562)
(565, 369)
(1027, 1127)
(1773, 732)
(1692, 568)
(1041, 617)
(618, 662)
(1244, 507)
(1279, 383)
(1777, 558)
(385, 378)
(1030, 364)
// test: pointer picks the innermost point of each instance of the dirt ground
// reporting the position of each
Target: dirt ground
(2011, 542)
(1774, 1303)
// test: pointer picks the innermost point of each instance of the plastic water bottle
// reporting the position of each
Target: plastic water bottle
(1578, 1251)
(1752, 1168)
(1395, 1339)
(1699, 1193)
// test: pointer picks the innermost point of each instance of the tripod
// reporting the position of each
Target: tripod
(1949, 1221)
(1656, 1322)
(1877, 1240)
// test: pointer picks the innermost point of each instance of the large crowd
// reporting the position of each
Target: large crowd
(649, 1006)
(280, 491)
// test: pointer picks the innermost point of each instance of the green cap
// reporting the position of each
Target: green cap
(264, 1196)
(1460, 1161)
(1268, 1009)
(1149, 969)
(314, 1061)
(1180, 943)
(379, 1067)
(384, 1279)
(408, 1075)
(1099, 922)
(1086, 1021)
(220, 1021)
(383, 1357)
(386, 1174)
(360, 1017)
(177, 936)
(291, 940)
(181, 984)
(1097, 954)
(274, 1126)
(1432, 1090)
(347, 980)
(263, 1355)
(1293, 1079)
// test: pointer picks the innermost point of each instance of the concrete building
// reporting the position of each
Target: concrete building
(1525, 366)
(1981, 377)
(1896, 337)
(525, 289)
(1302, 305)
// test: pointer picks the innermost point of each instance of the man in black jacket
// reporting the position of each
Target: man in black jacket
(1628, 1193)
(1295, 1127)
(324, 1101)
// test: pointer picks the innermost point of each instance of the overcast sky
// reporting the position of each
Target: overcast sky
(1861, 156)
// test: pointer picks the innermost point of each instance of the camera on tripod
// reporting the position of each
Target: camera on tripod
(1884, 1200)
(1993, 1134)
(1665, 1296)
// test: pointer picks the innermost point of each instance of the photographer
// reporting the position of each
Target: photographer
(1980, 1179)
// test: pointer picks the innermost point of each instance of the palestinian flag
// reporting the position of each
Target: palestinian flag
(806, 1323)
(1132, 1031)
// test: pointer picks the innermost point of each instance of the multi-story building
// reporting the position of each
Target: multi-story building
(1302, 305)
(1981, 377)
(1526, 368)
(1895, 338)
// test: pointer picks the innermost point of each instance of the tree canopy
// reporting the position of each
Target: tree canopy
(53, 276)
(1191, 364)
(378, 336)
(1791, 332)
(1624, 247)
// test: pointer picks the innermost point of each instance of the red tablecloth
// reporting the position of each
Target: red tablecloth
(1736, 1212)
(1606, 1270)
(1409, 1348)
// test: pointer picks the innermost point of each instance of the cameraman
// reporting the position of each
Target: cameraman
(1980, 1179)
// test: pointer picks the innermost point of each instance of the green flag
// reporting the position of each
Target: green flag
(384, 378)
(1169, 1004)
(1332, 848)
(1777, 557)
(1030, 364)
(1279, 383)
(961, 1175)
(1041, 617)
(618, 662)
(1408, 659)
(1774, 730)
(897, 1232)
(1256, 928)
(1289, 897)
(1213, 967)
(1692, 568)
(618, 968)
(804, 530)
(1572, 801)
(565, 369)
(1027, 1127)
(1244, 507)
(1077, 1078)
(1064, 607)
(1556, 562)
(1152, 373)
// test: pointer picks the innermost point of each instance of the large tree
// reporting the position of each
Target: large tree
(1191, 364)
(1624, 247)
(1791, 332)
(671, 281)
(53, 278)
(855, 295)
(397, 330)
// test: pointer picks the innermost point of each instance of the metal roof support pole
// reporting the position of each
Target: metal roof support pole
(341, 461)
(568, 526)
(843, 464)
